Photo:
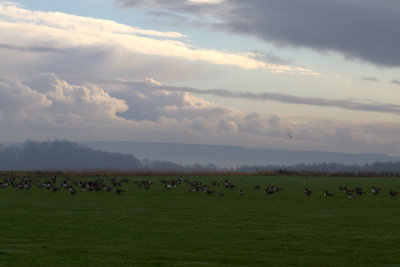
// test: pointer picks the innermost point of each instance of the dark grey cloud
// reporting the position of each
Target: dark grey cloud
(278, 97)
(364, 30)
(30, 48)
(311, 101)
(395, 82)
(370, 79)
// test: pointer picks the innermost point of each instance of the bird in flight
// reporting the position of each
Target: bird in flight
(290, 134)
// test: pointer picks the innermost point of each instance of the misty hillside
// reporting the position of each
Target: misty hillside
(65, 155)
(62, 155)
(234, 156)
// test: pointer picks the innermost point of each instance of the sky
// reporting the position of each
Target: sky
(226, 72)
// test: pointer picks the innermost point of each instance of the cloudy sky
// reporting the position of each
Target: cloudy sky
(228, 72)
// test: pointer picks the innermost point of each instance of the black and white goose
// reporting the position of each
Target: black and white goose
(393, 193)
(327, 194)
(375, 190)
(307, 191)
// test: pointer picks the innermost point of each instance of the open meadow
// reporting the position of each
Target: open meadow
(166, 225)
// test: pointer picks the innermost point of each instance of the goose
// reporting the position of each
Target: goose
(215, 183)
(72, 191)
(307, 192)
(375, 190)
(327, 194)
(274, 188)
(359, 191)
(348, 191)
(278, 189)
(208, 191)
(241, 192)
(119, 191)
(393, 193)
(27, 186)
(55, 189)
(220, 193)
(269, 191)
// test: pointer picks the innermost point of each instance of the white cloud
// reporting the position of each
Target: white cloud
(13, 11)
(227, 126)
(60, 32)
(47, 107)
(18, 101)
(89, 101)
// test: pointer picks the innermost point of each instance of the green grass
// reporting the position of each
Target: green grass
(177, 228)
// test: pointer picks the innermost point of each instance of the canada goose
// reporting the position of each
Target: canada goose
(119, 191)
(307, 192)
(327, 194)
(393, 193)
(55, 189)
(269, 191)
(359, 191)
(72, 191)
(208, 191)
(351, 196)
(215, 183)
(375, 190)
(241, 192)
(275, 188)
(228, 185)
(220, 193)
(27, 186)
(348, 191)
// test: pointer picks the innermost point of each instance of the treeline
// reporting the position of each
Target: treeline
(68, 156)
(377, 168)
(62, 155)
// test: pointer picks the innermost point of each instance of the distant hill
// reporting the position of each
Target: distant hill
(63, 155)
(234, 156)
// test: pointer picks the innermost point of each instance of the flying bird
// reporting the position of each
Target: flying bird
(290, 135)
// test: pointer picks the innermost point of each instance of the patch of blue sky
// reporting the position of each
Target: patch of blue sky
(100, 9)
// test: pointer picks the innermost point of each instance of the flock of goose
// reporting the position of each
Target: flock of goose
(354, 191)
(115, 185)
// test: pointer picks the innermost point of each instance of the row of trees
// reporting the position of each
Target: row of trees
(65, 155)
(380, 168)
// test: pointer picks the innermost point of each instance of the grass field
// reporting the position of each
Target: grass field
(176, 228)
